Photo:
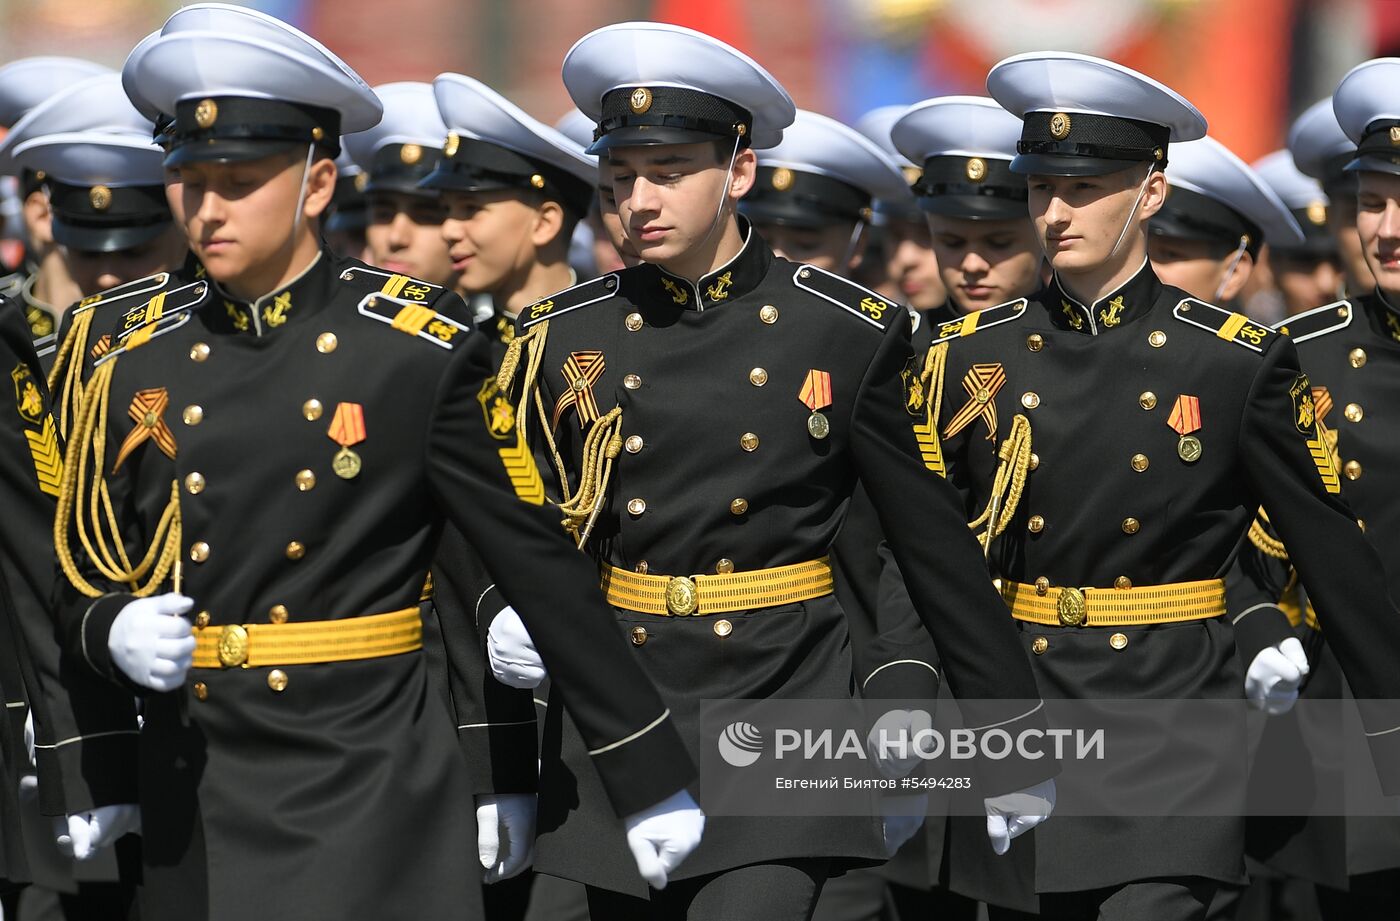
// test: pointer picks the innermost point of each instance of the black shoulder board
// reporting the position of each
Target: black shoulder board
(155, 316)
(980, 319)
(1317, 322)
(1232, 327)
(142, 288)
(849, 296)
(401, 286)
(414, 319)
(590, 292)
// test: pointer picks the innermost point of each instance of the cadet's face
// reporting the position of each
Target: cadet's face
(613, 235)
(1341, 221)
(488, 238)
(824, 247)
(911, 266)
(1197, 267)
(668, 197)
(94, 272)
(1078, 219)
(405, 236)
(1378, 223)
(984, 262)
(1305, 281)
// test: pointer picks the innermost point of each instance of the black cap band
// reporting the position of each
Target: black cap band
(639, 116)
(241, 128)
(1106, 142)
(470, 165)
(786, 196)
(1191, 216)
(974, 187)
(100, 218)
(401, 168)
(1379, 149)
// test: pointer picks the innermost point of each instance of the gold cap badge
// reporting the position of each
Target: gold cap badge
(640, 100)
(912, 174)
(782, 179)
(537, 180)
(976, 169)
(449, 148)
(1395, 135)
(206, 113)
(410, 154)
(1317, 212)
(1059, 126)
(361, 180)
(101, 197)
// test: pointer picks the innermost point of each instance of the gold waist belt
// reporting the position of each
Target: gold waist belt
(1116, 607)
(720, 594)
(263, 645)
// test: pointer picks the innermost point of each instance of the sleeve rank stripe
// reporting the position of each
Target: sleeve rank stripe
(1322, 457)
(524, 475)
(1339, 314)
(559, 304)
(983, 319)
(48, 462)
(878, 305)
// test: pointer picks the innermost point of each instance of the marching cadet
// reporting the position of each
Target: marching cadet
(1350, 350)
(1207, 236)
(345, 223)
(711, 410)
(1310, 273)
(1117, 591)
(307, 755)
(23, 85)
(404, 231)
(1322, 150)
(813, 197)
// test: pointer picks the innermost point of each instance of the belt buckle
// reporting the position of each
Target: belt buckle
(681, 596)
(233, 646)
(1070, 607)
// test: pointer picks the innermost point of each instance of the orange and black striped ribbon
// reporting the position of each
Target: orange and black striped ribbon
(1322, 402)
(581, 371)
(147, 410)
(816, 390)
(348, 425)
(981, 383)
(1186, 415)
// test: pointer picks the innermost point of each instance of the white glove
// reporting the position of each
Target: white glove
(508, 816)
(1013, 814)
(81, 836)
(664, 835)
(892, 760)
(1273, 679)
(903, 816)
(511, 651)
(29, 738)
(151, 643)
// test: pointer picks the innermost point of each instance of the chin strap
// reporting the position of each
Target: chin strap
(1131, 214)
(1230, 272)
(301, 193)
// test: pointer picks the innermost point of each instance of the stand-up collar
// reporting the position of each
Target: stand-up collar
(303, 296)
(1383, 314)
(730, 281)
(1130, 300)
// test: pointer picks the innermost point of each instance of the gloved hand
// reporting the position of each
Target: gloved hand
(1012, 814)
(903, 816)
(151, 643)
(511, 651)
(29, 737)
(1273, 679)
(890, 758)
(505, 834)
(664, 835)
(81, 836)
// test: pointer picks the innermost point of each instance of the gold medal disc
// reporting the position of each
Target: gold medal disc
(818, 426)
(346, 464)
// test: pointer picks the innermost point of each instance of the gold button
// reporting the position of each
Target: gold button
(1030, 399)
(277, 680)
(634, 443)
(1131, 525)
(193, 415)
(639, 636)
(312, 409)
(201, 691)
(748, 441)
(1122, 582)
(1035, 460)
(642, 567)
(1357, 357)
(631, 382)
(1352, 470)
(1147, 399)
(724, 567)
(1157, 339)
(1042, 586)
(1036, 524)
(1353, 412)
(1342, 311)
(758, 377)
(634, 321)
(636, 506)
(200, 351)
(1140, 462)
(326, 343)
(723, 628)
(739, 506)
(1361, 523)
(768, 314)
(1039, 645)
(296, 550)
(199, 551)
(1035, 342)
(278, 614)
(1118, 640)
(201, 619)
(195, 483)
(306, 480)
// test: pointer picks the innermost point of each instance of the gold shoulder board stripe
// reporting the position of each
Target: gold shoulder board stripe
(590, 292)
(981, 319)
(1225, 324)
(414, 319)
(393, 284)
(1310, 324)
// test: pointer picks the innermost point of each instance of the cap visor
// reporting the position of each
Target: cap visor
(975, 207)
(347, 221)
(440, 180)
(105, 239)
(1374, 164)
(650, 135)
(226, 151)
(1052, 165)
(1166, 224)
(789, 214)
(402, 185)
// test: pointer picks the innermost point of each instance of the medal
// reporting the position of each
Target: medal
(818, 426)
(816, 396)
(1184, 420)
(347, 428)
(1189, 448)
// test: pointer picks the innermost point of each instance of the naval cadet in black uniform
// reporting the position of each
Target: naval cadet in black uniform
(1136, 430)
(1322, 150)
(306, 752)
(712, 410)
(1309, 273)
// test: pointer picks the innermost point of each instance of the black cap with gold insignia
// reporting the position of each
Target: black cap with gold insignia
(966, 145)
(1369, 113)
(349, 212)
(1304, 198)
(398, 153)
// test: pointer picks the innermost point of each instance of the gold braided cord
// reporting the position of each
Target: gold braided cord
(1009, 482)
(68, 366)
(935, 367)
(601, 447)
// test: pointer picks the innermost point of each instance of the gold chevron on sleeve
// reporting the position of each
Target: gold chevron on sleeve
(930, 447)
(48, 462)
(1322, 457)
(524, 475)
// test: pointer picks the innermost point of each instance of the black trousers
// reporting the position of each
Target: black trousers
(1172, 899)
(785, 891)
(1372, 896)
